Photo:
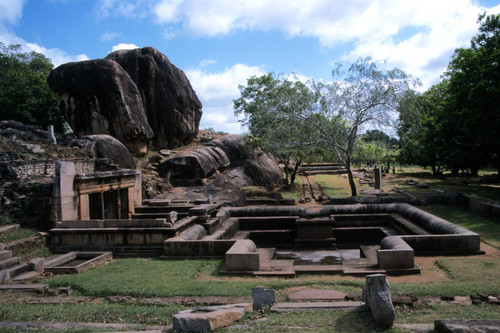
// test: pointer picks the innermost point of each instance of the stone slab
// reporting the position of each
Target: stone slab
(9, 228)
(209, 318)
(318, 269)
(41, 288)
(317, 294)
(462, 325)
(308, 306)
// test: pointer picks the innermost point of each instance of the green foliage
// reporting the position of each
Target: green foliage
(25, 95)
(456, 123)
(270, 105)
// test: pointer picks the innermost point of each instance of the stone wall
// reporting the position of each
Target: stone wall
(27, 169)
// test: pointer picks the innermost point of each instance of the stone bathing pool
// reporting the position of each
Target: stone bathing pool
(354, 239)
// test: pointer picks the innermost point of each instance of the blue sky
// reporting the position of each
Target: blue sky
(220, 43)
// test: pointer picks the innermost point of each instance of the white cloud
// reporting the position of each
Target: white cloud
(123, 46)
(109, 36)
(417, 36)
(10, 11)
(57, 56)
(217, 91)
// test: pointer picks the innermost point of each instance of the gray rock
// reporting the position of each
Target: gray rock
(172, 108)
(37, 265)
(99, 97)
(263, 297)
(106, 146)
(2, 246)
(4, 277)
(377, 296)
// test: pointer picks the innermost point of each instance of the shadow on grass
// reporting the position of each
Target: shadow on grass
(360, 320)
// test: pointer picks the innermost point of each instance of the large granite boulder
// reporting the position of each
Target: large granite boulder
(137, 96)
(172, 107)
(99, 97)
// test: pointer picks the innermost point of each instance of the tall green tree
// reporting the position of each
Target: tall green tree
(25, 95)
(474, 96)
(269, 106)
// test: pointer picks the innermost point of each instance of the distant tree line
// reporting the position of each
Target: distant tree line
(455, 125)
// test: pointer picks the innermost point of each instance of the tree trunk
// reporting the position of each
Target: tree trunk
(434, 171)
(474, 171)
(454, 171)
(351, 178)
(286, 170)
(294, 171)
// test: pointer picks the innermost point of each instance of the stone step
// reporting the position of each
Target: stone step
(318, 269)
(9, 262)
(6, 254)
(314, 306)
(289, 274)
(9, 228)
(17, 269)
(363, 272)
(25, 278)
(41, 288)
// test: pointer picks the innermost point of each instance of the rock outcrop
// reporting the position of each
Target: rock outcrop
(136, 96)
(224, 168)
(172, 108)
(191, 166)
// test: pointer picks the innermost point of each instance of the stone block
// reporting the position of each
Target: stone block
(242, 256)
(37, 265)
(171, 217)
(4, 276)
(207, 319)
(377, 296)
(263, 297)
(2, 246)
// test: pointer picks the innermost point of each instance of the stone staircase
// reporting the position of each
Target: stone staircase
(14, 271)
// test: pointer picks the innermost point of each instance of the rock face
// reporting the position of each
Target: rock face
(172, 108)
(105, 146)
(137, 96)
(377, 296)
(191, 166)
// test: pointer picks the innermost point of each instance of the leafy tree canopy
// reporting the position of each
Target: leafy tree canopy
(25, 95)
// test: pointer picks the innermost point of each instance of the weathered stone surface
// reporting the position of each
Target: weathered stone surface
(208, 318)
(137, 96)
(317, 294)
(172, 107)
(190, 166)
(99, 97)
(106, 146)
(16, 130)
(196, 163)
(37, 265)
(377, 296)
(4, 277)
(467, 326)
(263, 297)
